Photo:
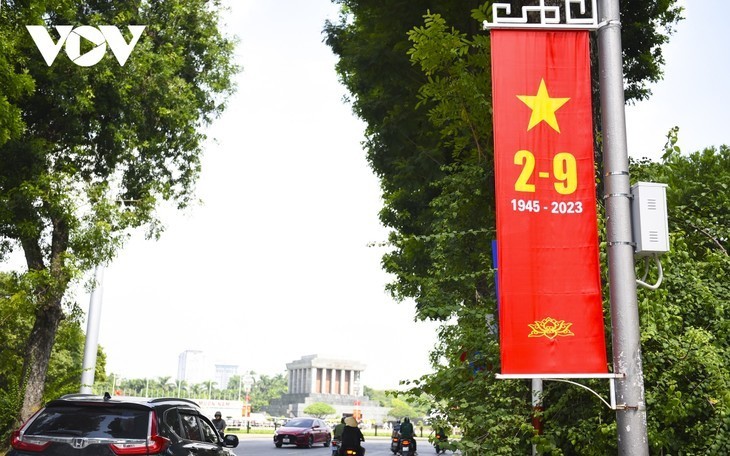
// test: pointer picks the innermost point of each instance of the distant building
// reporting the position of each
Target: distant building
(193, 367)
(223, 374)
(333, 381)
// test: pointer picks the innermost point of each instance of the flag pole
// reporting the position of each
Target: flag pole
(630, 401)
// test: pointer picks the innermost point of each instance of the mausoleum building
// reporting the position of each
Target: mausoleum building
(333, 381)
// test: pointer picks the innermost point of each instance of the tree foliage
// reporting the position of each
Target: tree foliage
(319, 410)
(422, 87)
(64, 369)
(684, 342)
(379, 396)
(15, 83)
(267, 388)
(263, 390)
(88, 153)
(401, 409)
(403, 148)
(685, 330)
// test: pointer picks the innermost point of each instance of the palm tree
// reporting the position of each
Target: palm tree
(163, 383)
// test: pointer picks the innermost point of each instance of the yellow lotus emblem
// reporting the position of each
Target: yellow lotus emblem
(550, 328)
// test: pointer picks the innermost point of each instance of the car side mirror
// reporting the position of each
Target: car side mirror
(230, 441)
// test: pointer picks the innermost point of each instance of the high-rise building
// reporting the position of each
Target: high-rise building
(223, 374)
(193, 367)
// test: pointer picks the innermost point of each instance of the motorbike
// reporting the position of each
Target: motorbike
(407, 447)
(437, 443)
(337, 449)
(394, 444)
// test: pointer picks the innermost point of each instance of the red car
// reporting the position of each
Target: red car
(304, 432)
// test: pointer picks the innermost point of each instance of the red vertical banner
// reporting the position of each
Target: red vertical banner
(550, 312)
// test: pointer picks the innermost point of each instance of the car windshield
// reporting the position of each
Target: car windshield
(298, 422)
(94, 422)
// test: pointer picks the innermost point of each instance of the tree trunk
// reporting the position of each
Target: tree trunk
(48, 315)
(37, 355)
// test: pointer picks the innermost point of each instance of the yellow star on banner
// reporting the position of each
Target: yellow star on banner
(543, 107)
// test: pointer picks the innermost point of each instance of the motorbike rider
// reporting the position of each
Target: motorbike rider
(407, 432)
(219, 423)
(395, 437)
(442, 435)
(441, 438)
(337, 431)
(351, 437)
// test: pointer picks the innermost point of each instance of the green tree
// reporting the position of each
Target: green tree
(265, 389)
(685, 330)
(198, 390)
(379, 396)
(684, 340)
(14, 82)
(401, 409)
(207, 388)
(64, 368)
(134, 386)
(102, 146)
(319, 410)
(429, 127)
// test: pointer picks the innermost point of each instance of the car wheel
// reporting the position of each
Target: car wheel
(278, 445)
(328, 441)
(310, 442)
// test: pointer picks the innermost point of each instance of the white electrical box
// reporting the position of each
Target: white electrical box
(649, 218)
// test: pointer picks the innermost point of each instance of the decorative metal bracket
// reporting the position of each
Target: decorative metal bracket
(564, 378)
(550, 17)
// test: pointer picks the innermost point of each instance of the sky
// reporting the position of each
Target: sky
(693, 94)
(275, 263)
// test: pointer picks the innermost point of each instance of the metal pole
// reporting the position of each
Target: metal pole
(88, 366)
(536, 408)
(631, 409)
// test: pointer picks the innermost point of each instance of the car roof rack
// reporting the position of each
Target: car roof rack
(168, 399)
(108, 397)
(78, 395)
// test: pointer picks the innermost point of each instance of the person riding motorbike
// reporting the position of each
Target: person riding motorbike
(337, 436)
(407, 432)
(441, 438)
(219, 423)
(351, 437)
(395, 437)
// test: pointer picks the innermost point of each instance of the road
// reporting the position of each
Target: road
(260, 446)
